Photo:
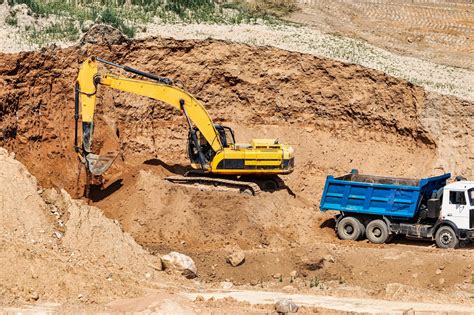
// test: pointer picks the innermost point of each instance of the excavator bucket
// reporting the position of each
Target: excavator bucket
(98, 164)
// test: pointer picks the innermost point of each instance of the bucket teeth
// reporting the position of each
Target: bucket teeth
(98, 164)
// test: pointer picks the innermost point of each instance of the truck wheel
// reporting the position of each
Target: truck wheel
(446, 238)
(349, 228)
(377, 231)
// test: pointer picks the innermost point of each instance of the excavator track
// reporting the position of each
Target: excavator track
(244, 186)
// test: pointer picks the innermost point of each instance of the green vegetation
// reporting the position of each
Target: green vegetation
(11, 20)
(314, 283)
(56, 31)
(110, 16)
(125, 15)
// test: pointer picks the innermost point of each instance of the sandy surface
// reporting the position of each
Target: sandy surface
(365, 306)
(436, 30)
(103, 254)
(316, 40)
(434, 77)
(337, 116)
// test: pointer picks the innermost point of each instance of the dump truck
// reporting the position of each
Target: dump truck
(377, 208)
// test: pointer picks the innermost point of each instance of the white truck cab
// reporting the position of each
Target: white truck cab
(457, 204)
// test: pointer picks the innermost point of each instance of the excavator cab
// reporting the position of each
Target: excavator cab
(226, 136)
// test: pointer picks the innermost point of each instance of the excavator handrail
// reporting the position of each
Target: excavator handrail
(162, 90)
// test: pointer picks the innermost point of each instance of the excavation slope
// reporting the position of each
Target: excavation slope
(259, 91)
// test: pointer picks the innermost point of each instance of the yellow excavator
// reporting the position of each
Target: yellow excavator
(215, 157)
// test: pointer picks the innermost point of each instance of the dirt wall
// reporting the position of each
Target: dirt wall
(240, 85)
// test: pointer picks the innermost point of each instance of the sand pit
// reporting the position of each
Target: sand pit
(337, 116)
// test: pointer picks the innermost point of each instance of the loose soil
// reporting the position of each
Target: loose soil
(337, 116)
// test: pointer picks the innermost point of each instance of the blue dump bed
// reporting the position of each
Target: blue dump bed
(386, 196)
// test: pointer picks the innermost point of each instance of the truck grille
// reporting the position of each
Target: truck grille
(471, 219)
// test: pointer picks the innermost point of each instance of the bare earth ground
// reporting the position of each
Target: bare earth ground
(437, 31)
(337, 116)
(70, 256)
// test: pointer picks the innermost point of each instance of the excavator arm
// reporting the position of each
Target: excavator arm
(162, 90)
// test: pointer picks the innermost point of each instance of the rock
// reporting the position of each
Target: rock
(57, 234)
(441, 281)
(285, 306)
(329, 92)
(276, 276)
(294, 274)
(199, 298)
(226, 285)
(34, 296)
(329, 258)
(438, 271)
(253, 282)
(158, 266)
(20, 9)
(87, 25)
(102, 34)
(237, 258)
(180, 263)
(50, 195)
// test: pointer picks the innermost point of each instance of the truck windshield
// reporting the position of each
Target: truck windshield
(470, 193)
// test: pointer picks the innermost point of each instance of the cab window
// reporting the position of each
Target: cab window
(470, 193)
(457, 198)
(229, 135)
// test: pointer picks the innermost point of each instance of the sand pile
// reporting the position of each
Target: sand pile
(53, 247)
(23, 211)
(166, 216)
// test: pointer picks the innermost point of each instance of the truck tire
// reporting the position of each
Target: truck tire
(377, 232)
(446, 237)
(349, 228)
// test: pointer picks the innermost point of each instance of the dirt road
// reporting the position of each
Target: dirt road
(349, 305)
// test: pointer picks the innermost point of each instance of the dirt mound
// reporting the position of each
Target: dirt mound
(192, 217)
(102, 34)
(91, 260)
(23, 211)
